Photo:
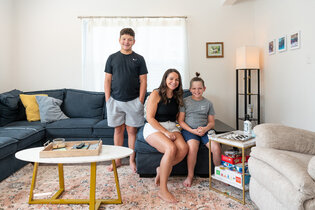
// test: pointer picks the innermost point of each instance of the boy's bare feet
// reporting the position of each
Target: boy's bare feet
(188, 181)
(118, 164)
(167, 196)
(133, 166)
(157, 178)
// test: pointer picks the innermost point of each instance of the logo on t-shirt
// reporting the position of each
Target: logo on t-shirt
(203, 108)
(134, 59)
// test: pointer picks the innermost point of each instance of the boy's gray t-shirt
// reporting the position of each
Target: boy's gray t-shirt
(197, 112)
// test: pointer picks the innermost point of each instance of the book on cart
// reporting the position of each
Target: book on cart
(231, 177)
(238, 167)
(233, 160)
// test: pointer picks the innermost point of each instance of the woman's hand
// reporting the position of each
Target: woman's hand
(170, 135)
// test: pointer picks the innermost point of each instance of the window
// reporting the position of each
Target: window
(161, 41)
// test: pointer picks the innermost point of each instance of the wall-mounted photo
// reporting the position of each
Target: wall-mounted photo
(282, 44)
(272, 47)
(295, 40)
(215, 50)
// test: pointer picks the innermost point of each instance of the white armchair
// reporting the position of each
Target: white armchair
(282, 168)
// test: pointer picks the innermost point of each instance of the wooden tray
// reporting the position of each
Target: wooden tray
(48, 151)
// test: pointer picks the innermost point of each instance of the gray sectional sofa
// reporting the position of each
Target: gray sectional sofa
(87, 120)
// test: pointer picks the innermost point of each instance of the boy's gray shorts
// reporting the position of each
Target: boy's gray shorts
(130, 113)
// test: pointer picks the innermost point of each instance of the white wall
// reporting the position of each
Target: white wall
(41, 48)
(288, 77)
(5, 45)
(48, 41)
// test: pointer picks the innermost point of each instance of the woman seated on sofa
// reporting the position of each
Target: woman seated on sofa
(161, 132)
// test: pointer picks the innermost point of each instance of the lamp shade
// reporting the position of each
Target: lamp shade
(247, 57)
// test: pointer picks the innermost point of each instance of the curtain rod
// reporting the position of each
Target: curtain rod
(82, 17)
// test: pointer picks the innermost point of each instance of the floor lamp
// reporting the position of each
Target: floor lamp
(247, 61)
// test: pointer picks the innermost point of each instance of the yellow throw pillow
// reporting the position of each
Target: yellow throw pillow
(31, 106)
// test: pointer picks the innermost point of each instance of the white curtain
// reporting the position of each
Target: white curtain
(161, 41)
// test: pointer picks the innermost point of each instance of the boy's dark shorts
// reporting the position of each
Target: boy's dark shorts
(188, 136)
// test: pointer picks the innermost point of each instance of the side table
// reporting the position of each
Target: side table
(243, 145)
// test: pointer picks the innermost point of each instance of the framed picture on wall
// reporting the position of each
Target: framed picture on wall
(295, 40)
(215, 50)
(272, 47)
(282, 44)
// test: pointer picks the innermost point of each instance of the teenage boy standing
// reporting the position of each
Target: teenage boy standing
(125, 87)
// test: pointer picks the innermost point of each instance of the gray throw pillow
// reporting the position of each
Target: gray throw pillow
(49, 109)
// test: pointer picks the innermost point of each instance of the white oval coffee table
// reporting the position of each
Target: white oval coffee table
(108, 153)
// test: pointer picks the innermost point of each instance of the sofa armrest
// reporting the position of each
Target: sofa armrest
(311, 168)
(285, 138)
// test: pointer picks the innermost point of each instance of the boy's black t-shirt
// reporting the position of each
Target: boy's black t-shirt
(125, 70)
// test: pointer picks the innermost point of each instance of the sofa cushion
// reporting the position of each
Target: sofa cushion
(31, 106)
(49, 109)
(292, 165)
(260, 195)
(285, 138)
(311, 168)
(8, 146)
(83, 104)
(57, 93)
(10, 99)
(25, 135)
(101, 129)
(72, 127)
(25, 123)
(144, 147)
(277, 184)
(141, 145)
(9, 106)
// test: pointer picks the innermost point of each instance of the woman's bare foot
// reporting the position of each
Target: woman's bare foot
(167, 196)
(188, 181)
(133, 166)
(157, 178)
(118, 164)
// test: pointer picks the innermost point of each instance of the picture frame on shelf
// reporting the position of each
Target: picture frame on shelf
(272, 47)
(215, 50)
(282, 43)
(295, 40)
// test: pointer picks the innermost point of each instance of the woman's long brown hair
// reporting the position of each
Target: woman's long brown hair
(177, 93)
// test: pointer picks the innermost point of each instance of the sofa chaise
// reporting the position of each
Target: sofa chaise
(282, 168)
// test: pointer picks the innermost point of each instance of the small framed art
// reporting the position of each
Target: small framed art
(272, 47)
(295, 40)
(282, 44)
(215, 50)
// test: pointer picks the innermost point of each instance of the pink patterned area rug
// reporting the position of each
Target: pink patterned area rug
(136, 192)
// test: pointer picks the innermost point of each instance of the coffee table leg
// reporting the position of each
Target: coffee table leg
(61, 179)
(61, 183)
(33, 182)
(92, 186)
(117, 181)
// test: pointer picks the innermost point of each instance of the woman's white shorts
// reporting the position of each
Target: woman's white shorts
(168, 125)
